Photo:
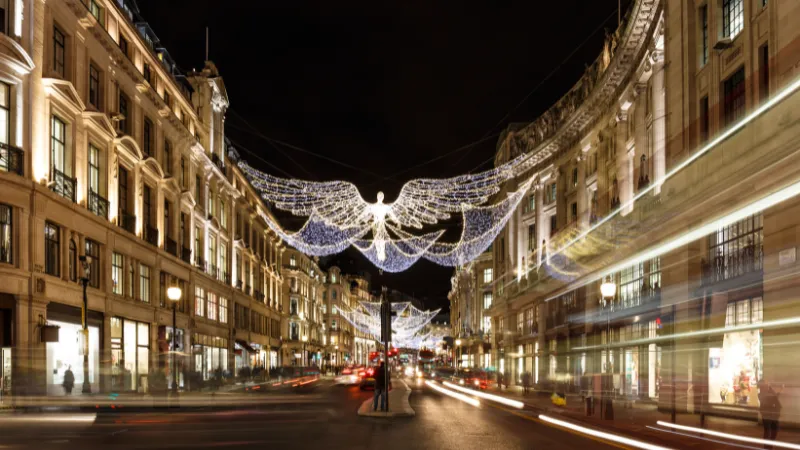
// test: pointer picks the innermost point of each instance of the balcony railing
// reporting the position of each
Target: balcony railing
(734, 264)
(247, 289)
(218, 162)
(239, 284)
(151, 235)
(259, 295)
(226, 277)
(127, 222)
(12, 159)
(63, 185)
(200, 263)
(98, 205)
(212, 270)
(186, 255)
(171, 246)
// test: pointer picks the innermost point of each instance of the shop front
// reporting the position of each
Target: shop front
(67, 353)
(6, 344)
(210, 355)
(245, 356)
(130, 355)
(273, 357)
(172, 353)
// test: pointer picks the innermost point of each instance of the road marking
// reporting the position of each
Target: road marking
(702, 438)
(735, 437)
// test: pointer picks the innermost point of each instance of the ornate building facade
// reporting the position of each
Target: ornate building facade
(112, 157)
(471, 295)
(667, 177)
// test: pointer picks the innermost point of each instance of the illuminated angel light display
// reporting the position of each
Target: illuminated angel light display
(339, 217)
(408, 322)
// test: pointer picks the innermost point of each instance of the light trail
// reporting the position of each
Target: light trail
(694, 436)
(50, 418)
(734, 437)
(492, 397)
(602, 434)
(472, 401)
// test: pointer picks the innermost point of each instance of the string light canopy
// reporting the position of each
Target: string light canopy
(338, 217)
(408, 322)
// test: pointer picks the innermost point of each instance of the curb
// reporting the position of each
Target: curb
(404, 410)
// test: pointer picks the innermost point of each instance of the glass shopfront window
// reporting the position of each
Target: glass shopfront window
(170, 344)
(210, 355)
(130, 355)
(67, 354)
(735, 369)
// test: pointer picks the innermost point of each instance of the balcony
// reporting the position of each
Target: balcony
(127, 222)
(12, 159)
(200, 263)
(226, 277)
(259, 295)
(151, 235)
(212, 270)
(97, 204)
(248, 289)
(749, 259)
(171, 246)
(186, 255)
(63, 185)
(239, 284)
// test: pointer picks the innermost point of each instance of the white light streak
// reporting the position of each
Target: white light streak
(734, 437)
(780, 96)
(472, 401)
(602, 434)
(50, 418)
(494, 398)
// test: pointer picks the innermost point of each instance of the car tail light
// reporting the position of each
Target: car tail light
(361, 374)
(370, 372)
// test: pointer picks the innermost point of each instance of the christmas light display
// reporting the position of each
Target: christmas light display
(338, 217)
(408, 322)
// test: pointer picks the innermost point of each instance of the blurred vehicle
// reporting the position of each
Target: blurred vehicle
(368, 378)
(349, 375)
(443, 374)
(477, 379)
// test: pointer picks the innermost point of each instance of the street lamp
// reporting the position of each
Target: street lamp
(458, 347)
(86, 262)
(304, 339)
(174, 295)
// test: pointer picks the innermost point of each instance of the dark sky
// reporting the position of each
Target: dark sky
(383, 87)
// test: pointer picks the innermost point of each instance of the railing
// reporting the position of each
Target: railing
(171, 246)
(97, 204)
(127, 222)
(226, 277)
(213, 270)
(186, 255)
(239, 284)
(734, 264)
(259, 296)
(151, 235)
(12, 159)
(63, 185)
(199, 262)
(247, 289)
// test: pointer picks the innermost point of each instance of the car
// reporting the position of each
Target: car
(367, 377)
(443, 374)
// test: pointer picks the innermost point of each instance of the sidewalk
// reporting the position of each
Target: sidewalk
(398, 403)
(636, 419)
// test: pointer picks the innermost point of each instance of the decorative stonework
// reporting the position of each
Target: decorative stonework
(556, 129)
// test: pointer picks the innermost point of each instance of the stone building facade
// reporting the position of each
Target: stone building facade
(669, 172)
(471, 294)
(108, 152)
(304, 320)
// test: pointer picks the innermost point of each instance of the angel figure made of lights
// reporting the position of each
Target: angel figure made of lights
(339, 217)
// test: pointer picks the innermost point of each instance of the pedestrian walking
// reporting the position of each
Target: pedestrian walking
(69, 380)
(770, 408)
(381, 381)
(526, 382)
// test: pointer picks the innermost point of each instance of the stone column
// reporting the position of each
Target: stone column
(659, 163)
(624, 181)
(640, 135)
(540, 227)
(582, 195)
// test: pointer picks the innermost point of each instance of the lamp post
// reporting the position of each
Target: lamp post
(86, 262)
(608, 290)
(174, 294)
(336, 353)
(304, 339)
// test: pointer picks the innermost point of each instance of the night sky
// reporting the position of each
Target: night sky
(383, 87)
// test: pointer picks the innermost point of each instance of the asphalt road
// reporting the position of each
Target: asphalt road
(320, 417)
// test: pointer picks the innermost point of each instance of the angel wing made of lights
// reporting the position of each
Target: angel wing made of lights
(340, 217)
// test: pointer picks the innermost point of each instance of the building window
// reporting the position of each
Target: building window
(94, 86)
(117, 274)
(146, 72)
(732, 17)
(703, 35)
(520, 322)
(123, 44)
(223, 310)
(736, 249)
(123, 113)
(6, 235)
(292, 261)
(94, 169)
(5, 118)
(487, 275)
(734, 96)
(59, 52)
(199, 302)
(183, 173)
(211, 306)
(487, 324)
(487, 300)
(223, 216)
(92, 252)
(148, 135)
(52, 249)
(58, 144)
(72, 261)
(167, 157)
(144, 283)
(744, 312)
(553, 224)
(574, 177)
(704, 119)
(96, 10)
(550, 193)
(574, 212)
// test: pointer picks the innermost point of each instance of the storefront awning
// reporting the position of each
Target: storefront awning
(245, 346)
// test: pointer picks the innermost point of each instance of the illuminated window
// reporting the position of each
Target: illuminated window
(732, 17)
(487, 275)
(59, 52)
(52, 249)
(704, 35)
(144, 283)
(487, 300)
(211, 306)
(199, 301)
(734, 97)
(5, 234)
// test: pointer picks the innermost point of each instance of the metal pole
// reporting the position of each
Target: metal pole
(174, 349)
(87, 387)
